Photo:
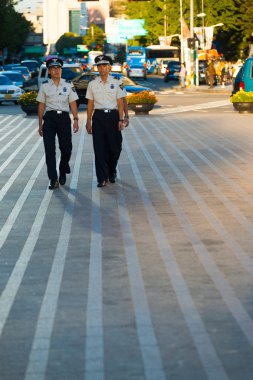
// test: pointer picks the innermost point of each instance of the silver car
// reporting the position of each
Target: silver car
(137, 72)
(8, 91)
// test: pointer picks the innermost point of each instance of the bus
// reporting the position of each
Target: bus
(92, 54)
(156, 53)
(135, 55)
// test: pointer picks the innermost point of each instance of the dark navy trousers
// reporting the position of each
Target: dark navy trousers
(107, 142)
(57, 125)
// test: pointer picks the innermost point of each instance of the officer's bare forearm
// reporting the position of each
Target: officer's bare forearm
(120, 107)
(41, 108)
(90, 107)
(73, 107)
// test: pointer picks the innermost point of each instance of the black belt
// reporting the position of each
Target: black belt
(58, 112)
(106, 110)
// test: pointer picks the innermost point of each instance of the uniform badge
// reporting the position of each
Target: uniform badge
(112, 86)
(64, 89)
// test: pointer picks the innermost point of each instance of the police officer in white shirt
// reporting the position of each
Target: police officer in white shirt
(105, 122)
(56, 96)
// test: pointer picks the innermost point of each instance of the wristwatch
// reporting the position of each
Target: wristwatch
(121, 119)
(76, 118)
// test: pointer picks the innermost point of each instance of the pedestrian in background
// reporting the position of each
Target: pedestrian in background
(105, 121)
(182, 75)
(211, 74)
(56, 96)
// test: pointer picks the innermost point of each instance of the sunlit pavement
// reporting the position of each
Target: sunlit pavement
(148, 278)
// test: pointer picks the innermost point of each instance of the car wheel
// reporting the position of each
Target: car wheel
(16, 102)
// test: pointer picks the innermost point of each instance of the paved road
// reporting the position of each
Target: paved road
(149, 278)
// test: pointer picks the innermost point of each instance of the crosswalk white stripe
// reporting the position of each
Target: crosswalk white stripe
(38, 358)
(244, 259)
(19, 204)
(5, 119)
(233, 143)
(11, 131)
(180, 109)
(94, 344)
(194, 322)
(148, 344)
(233, 303)
(6, 146)
(17, 172)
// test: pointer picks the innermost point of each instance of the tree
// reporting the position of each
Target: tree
(67, 41)
(236, 15)
(94, 38)
(14, 28)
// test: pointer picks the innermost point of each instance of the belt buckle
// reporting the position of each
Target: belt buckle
(59, 112)
(106, 111)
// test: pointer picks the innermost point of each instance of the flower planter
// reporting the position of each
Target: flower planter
(31, 109)
(243, 106)
(141, 109)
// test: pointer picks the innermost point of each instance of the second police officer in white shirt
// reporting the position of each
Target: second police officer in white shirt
(106, 96)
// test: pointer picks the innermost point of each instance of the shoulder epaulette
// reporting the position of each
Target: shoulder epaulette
(45, 81)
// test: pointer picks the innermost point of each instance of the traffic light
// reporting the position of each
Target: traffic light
(191, 43)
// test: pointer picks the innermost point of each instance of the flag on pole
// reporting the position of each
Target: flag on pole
(185, 30)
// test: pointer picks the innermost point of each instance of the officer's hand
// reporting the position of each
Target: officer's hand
(40, 130)
(126, 121)
(75, 126)
(121, 125)
(89, 128)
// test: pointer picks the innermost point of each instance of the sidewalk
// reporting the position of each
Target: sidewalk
(149, 278)
(206, 89)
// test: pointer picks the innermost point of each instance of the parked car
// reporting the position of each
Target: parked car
(81, 83)
(69, 71)
(244, 78)
(24, 71)
(137, 72)
(9, 92)
(15, 76)
(162, 66)
(172, 71)
(116, 67)
(32, 65)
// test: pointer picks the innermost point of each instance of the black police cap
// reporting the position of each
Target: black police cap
(103, 60)
(54, 62)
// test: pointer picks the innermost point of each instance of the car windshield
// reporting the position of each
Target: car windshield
(4, 81)
(15, 77)
(22, 69)
(71, 72)
(30, 65)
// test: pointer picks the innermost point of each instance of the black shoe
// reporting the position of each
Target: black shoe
(102, 184)
(112, 179)
(62, 178)
(54, 184)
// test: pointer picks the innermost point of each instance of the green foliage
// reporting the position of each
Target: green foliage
(242, 97)
(94, 40)
(233, 37)
(14, 28)
(67, 40)
(141, 97)
(28, 98)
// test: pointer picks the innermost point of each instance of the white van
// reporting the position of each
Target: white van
(69, 71)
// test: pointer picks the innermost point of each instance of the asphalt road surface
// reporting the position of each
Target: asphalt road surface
(149, 278)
